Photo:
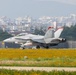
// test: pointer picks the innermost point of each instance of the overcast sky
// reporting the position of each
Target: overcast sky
(37, 8)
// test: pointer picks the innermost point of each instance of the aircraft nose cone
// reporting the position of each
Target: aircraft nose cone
(6, 40)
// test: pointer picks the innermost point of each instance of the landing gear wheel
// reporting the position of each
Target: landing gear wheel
(38, 47)
(22, 48)
(47, 47)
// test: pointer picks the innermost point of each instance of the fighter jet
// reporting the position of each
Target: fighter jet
(51, 38)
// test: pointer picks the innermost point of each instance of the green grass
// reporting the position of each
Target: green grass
(40, 62)
(32, 72)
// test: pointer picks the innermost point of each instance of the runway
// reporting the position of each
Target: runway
(40, 68)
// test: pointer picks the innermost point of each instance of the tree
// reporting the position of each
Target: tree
(39, 31)
(69, 33)
(4, 35)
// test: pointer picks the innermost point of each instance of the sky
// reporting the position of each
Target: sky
(37, 8)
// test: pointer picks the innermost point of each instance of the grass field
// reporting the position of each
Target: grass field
(14, 72)
(38, 57)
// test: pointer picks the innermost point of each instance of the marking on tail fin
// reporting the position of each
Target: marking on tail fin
(59, 28)
(50, 28)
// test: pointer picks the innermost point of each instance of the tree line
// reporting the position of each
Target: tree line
(4, 35)
(69, 33)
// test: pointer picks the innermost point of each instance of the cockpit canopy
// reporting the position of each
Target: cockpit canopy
(22, 34)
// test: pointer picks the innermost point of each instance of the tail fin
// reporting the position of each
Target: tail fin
(58, 32)
(53, 34)
(49, 33)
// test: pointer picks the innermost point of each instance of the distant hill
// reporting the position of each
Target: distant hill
(4, 35)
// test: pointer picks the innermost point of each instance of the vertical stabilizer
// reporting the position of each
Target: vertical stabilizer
(58, 32)
(49, 33)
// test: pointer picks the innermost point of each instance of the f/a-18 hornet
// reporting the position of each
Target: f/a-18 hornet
(51, 38)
